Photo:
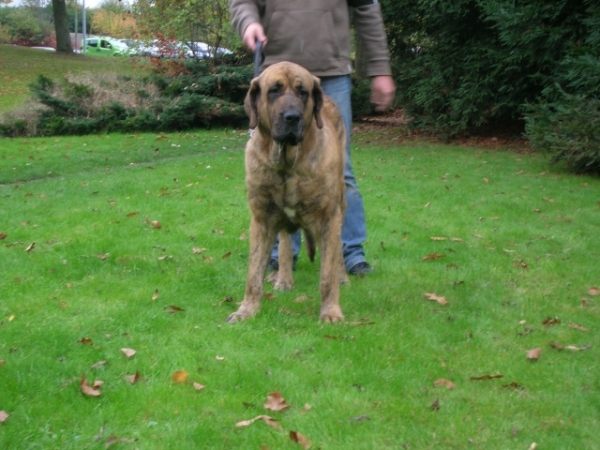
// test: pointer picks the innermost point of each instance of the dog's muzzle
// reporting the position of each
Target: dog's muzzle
(289, 128)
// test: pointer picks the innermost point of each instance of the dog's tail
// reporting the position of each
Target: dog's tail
(311, 247)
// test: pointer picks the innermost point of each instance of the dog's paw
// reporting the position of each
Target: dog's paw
(239, 315)
(283, 285)
(332, 314)
(271, 277)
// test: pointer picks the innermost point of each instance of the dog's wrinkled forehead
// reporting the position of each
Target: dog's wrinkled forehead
(286, 75)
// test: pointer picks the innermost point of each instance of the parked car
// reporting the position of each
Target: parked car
(164, 49)
(203, 50)
(106, 46)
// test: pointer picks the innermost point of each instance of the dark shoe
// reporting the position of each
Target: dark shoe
(361, 269)
(274, 265)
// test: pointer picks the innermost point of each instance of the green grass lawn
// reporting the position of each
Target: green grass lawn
(141, 243)
(19, 66)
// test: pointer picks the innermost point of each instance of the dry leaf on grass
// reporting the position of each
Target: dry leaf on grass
(92, 390)
(300, 439)
(155, 295)
(30, 247)
(576, 326)
(128, 352)
(172, 309)
(486, 377)
(99, 364)
(198, 386)
(156, 224)
(134, 378)
(4, 416)
(3, 236)
(594, 291)
(112, 439)
(266, 419)
(180, 376)
(534, 353)
(436, 298)
(275, 402)
(445, 383)
(433, 256)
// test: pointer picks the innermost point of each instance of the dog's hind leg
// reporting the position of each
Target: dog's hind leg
(262, 238)
(284, 280)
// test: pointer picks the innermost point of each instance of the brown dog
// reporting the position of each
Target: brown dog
(294, 179)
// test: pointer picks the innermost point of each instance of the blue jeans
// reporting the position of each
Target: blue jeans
(354, 229)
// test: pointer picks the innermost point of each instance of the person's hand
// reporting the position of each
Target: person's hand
(254, 32)
(383, 89)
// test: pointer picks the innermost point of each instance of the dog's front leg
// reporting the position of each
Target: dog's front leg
(262, 238)
(331, 255)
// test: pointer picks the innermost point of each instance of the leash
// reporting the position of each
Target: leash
(258, 58)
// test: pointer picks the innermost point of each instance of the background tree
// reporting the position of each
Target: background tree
(469, 63)
(61, 26)
(189, 21)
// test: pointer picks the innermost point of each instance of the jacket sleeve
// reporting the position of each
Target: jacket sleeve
(244, 12)
(368, 24)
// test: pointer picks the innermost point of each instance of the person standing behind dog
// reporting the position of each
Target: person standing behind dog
(316, 35)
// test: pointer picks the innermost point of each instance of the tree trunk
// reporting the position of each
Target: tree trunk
(61, 26)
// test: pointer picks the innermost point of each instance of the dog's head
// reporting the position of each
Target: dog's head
(283, 101)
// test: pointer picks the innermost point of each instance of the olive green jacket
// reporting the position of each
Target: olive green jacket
(316, 33)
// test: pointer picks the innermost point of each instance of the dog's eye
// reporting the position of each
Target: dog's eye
(274, 92)
(303, 93)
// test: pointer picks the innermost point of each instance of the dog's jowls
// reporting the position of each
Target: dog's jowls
(295, 180)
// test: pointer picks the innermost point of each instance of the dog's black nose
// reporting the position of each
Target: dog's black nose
(292, 117)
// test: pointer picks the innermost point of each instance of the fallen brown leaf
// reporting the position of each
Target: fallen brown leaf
(268, 420)
(4, 416)
(275, 402)
(226, 255)
(86, 341)
(359, 418)
(433, 256)
(90, 390)
(486, 377)
(30, 247)
(156, 224)
(436, 298)
(198, 250)
(551, 321)
(155, 295)
(445, 383)
(2, 362)
(112, 439)
(556, 345)
(198, 386)
(180, 376)
(594, 291)
(134, 378)
(3, 236)
(435, 405)
(534, 353)
(576, 326)
(128, 352)
(300, 439)
(172, 309)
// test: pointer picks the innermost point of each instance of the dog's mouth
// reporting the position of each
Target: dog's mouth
(291, 138)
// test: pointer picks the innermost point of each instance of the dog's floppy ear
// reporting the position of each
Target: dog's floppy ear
(317, 95)
(250, 102)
